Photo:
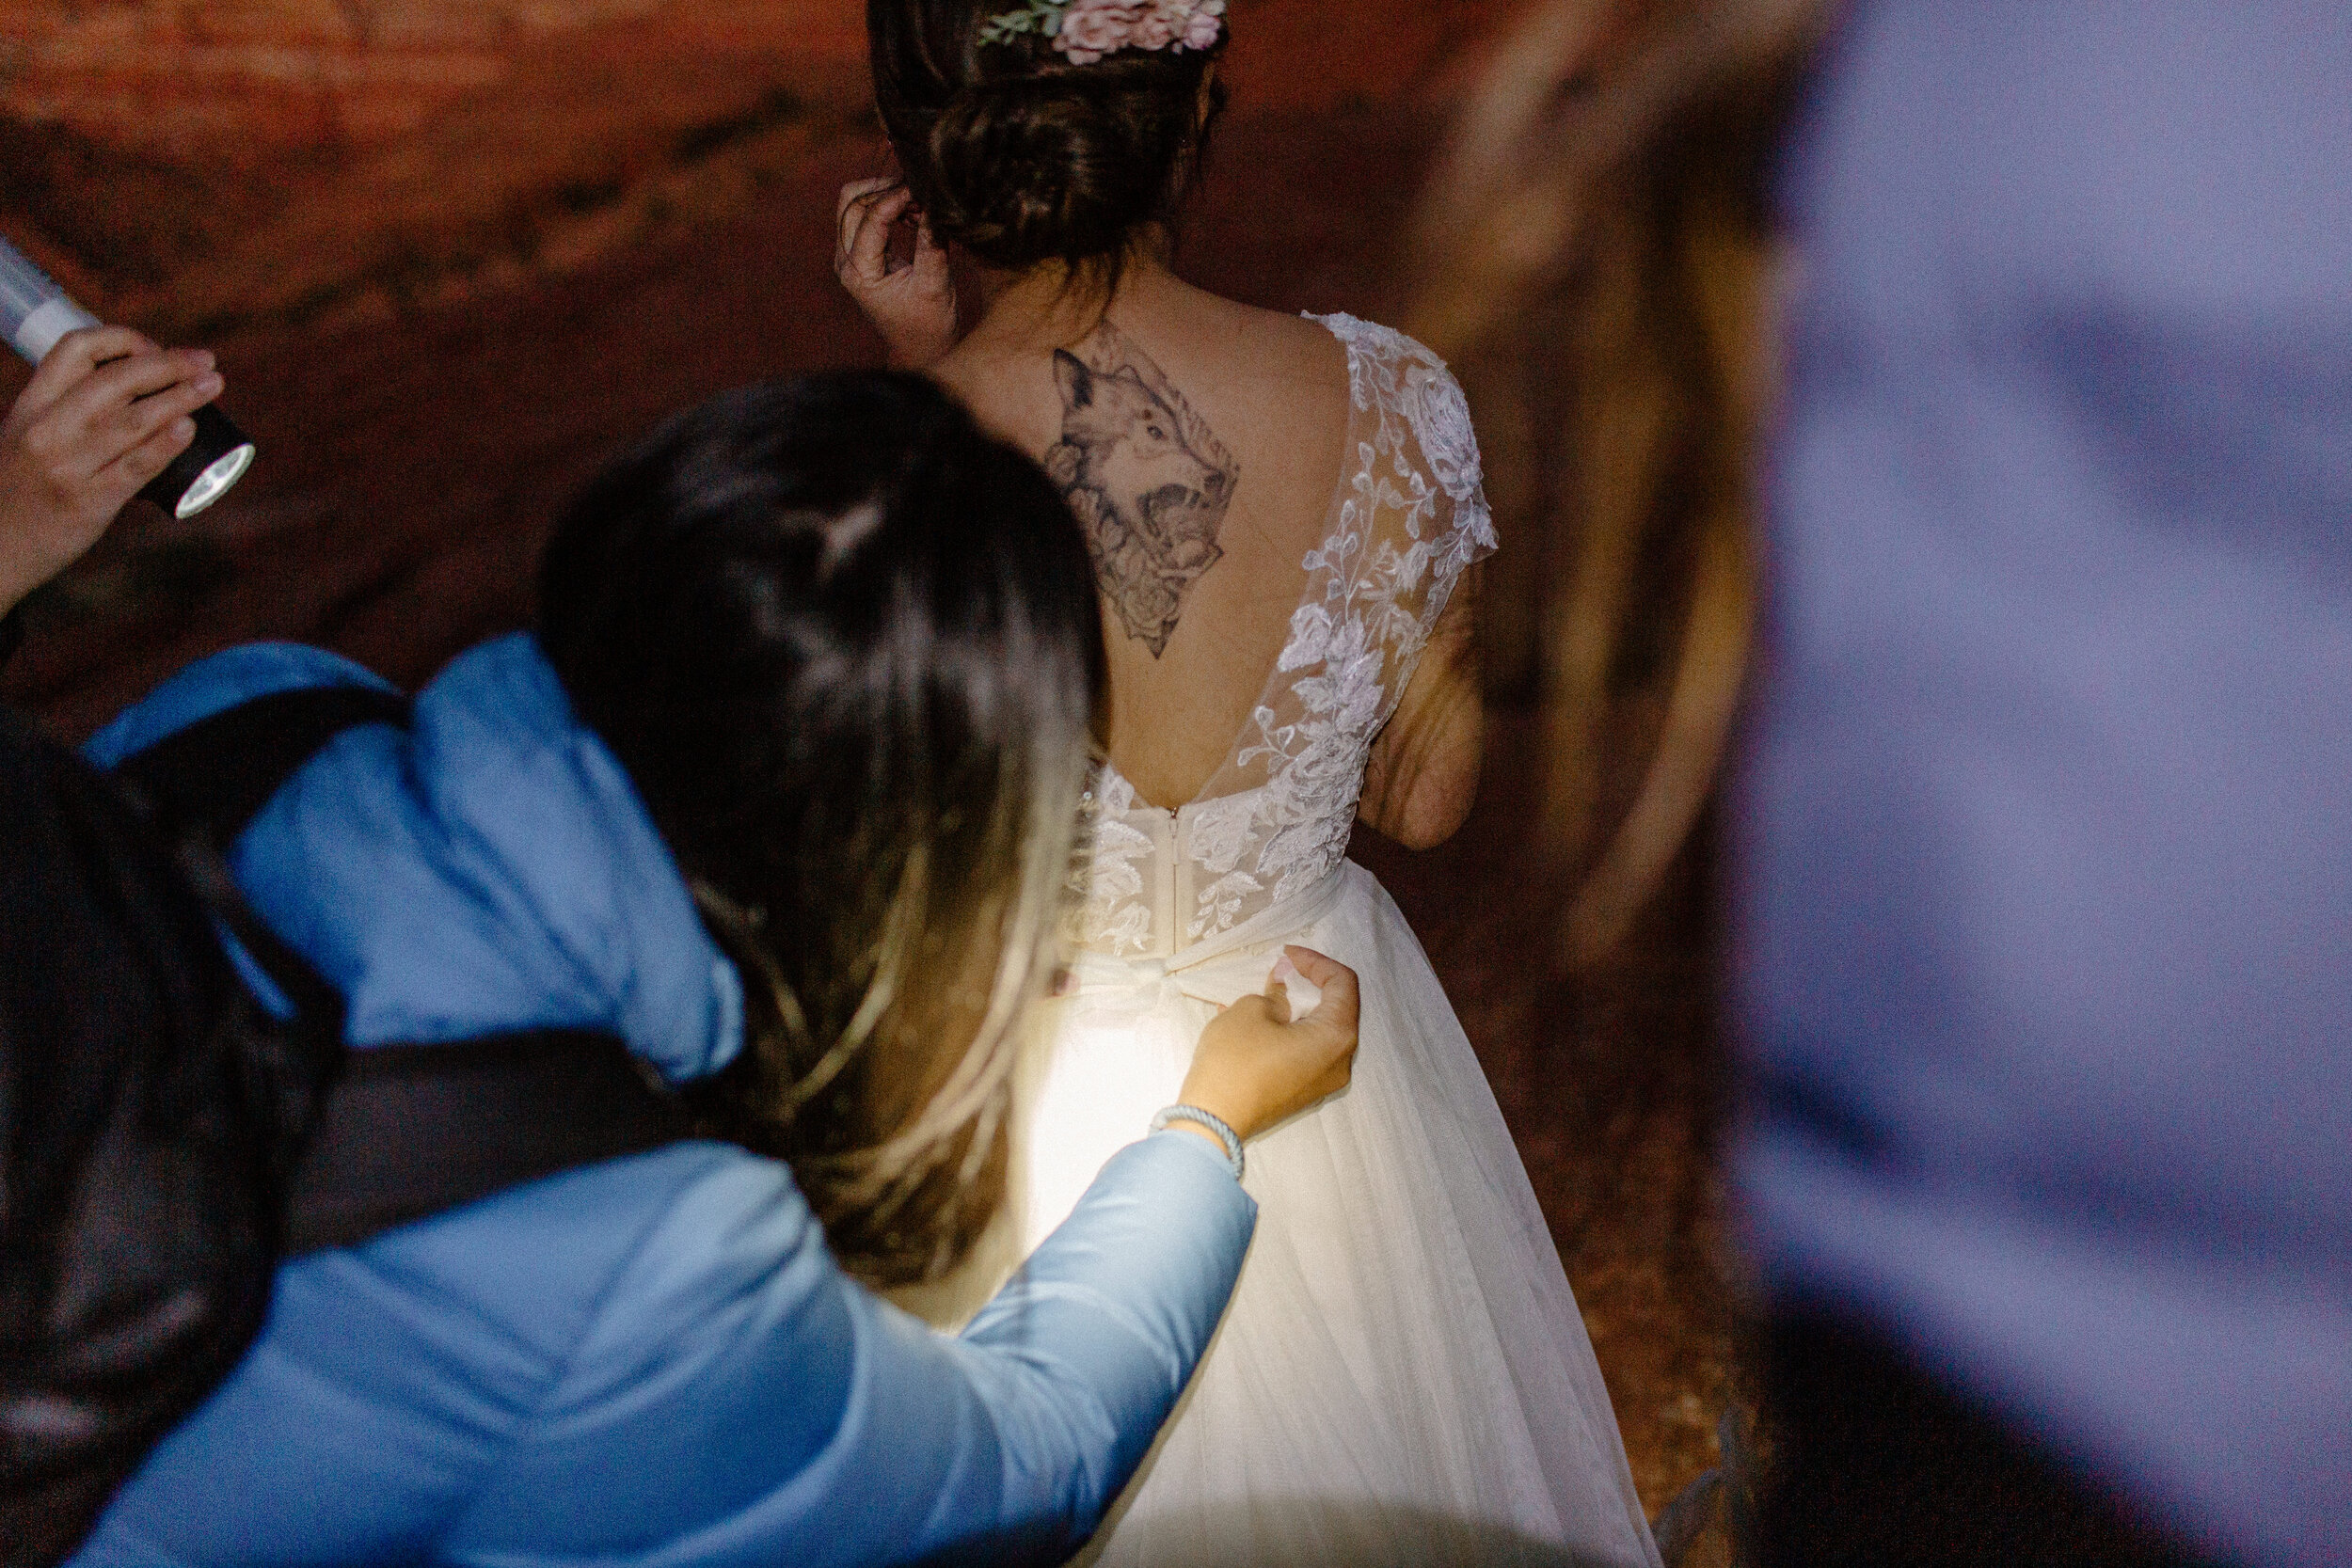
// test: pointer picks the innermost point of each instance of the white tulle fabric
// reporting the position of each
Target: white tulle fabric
(1403, 1377)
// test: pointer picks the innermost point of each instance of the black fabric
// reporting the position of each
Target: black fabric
(1876, 1463)
(218, 772)
(11, 635)
(148, 1108)
(165, 1140)
(414, 1130)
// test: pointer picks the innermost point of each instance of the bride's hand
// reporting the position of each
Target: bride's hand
(913, 304)
(1255, 1064)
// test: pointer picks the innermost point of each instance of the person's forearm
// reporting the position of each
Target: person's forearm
(1151, 1252)
(1007, 1443)
(1110, 1317)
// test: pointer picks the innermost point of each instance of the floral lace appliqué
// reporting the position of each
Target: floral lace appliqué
(1113, 916)
(1275, 821)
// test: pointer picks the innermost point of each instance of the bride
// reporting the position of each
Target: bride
(1282, 511)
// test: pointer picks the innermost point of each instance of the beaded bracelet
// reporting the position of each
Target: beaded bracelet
(1225, 1135)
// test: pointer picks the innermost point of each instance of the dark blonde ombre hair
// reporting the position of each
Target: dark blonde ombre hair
(847, 646)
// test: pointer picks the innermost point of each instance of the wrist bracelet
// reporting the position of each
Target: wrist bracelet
(1226, 1135)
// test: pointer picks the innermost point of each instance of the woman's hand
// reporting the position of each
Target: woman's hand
(913, 304)
(1255, 1066)
(105, 413)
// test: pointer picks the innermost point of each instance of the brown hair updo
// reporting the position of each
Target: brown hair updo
(1020, 156)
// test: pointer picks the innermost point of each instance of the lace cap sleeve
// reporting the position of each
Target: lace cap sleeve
(1416, 514)
(1438, 424)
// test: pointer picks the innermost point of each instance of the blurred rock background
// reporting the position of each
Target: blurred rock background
(453, 252)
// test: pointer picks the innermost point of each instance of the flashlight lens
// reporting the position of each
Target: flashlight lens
(214, 481)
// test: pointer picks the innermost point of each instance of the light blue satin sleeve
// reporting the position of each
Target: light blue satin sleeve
(692, 1426)
(657, 1362)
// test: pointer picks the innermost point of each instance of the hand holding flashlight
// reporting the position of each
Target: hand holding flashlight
(36, 315)
(107, 413)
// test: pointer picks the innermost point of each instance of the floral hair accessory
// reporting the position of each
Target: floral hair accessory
(1086, 31)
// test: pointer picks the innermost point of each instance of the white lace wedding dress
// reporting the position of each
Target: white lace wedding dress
(1403, 1377)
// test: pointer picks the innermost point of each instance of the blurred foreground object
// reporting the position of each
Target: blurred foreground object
(2043, 891)
(1596, 248)
(35, 313)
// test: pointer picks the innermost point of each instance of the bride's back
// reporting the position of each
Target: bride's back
(1208, 447)
(1203, 441)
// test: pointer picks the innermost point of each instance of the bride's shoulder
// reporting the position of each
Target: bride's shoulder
(1391, 373)
(1369, 340)
(1417, 404)
(1276, 369)
(1268, 337)
(1400, 377)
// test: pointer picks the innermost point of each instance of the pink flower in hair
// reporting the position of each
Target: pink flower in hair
(1093, 28)
(1202, 27)
(1161, 24)
(1086, 31)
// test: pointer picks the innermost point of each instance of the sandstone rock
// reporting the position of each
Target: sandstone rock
(193, 168)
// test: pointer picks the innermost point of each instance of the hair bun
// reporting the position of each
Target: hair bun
(1023, 157)
(1039, 168)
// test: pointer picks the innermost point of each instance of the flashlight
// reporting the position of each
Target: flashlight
(35, 313)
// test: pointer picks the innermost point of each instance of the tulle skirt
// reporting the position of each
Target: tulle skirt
(1403, 1377)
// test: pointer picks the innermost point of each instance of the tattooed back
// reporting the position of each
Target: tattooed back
(1152, 492)
(1199, 442)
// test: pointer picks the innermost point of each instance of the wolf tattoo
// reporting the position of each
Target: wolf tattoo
(1145, 475)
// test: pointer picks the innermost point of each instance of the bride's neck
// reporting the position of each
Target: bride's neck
(1045, 303)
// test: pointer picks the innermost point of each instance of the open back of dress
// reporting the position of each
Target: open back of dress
(1273, 821)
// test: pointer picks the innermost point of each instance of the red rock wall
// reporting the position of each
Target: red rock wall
(272, 177)
(197, 166)
(187, 164)
(251, 78)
